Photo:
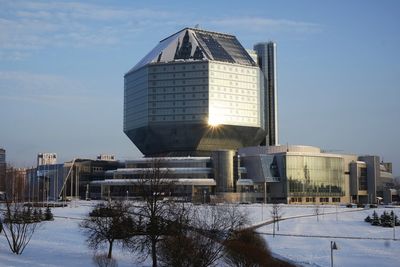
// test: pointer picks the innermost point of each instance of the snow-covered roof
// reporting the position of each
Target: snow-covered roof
(197, 45)
(168, 159)
(244, 182)
(167, 170)
(181, 181)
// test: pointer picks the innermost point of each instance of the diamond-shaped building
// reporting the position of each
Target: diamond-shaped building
(197, 91)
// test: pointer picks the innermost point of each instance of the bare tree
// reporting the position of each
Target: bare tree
(154, 213)
(174, 235)
(276, 213)
(201, 242)
(19, 225)
(317, 211)
(108, 223)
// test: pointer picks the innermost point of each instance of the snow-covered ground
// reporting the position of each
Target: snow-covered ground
(61, 243)
(372, 245)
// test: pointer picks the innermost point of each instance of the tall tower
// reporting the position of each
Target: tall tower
(2, 169)
(266, 57)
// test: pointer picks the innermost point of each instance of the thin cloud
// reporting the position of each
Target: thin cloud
(259, 24)
(26, 26)
(41, 88)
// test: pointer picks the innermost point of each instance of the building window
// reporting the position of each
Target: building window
(324, 199)
(310, 199)
(362, 180)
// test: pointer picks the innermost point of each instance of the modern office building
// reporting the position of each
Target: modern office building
(305, 174)
(79, 175)
(266, 59)
(198, 179)
(283, 174)
(197, 91)
(200, 105)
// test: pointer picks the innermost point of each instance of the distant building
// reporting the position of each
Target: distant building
(79, 173)
(304, 174)
(192, 177)
(46, 159)
(106, 157)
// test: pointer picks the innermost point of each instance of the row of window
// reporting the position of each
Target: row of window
(179, 89)
(203, 117)
(179, 82)
(230, 76)
(235, 84)
(231, 104)
(178, 67)
(233, 69)
(313, 199)
(169, 104)
(178, 110)
(169, 76)
(233, 97)
(174, 96)
(232, 90)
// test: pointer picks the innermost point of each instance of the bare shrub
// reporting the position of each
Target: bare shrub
(102, 260)
(246, 249)
(19, 225)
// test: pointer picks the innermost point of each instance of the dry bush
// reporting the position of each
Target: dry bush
(102, 260)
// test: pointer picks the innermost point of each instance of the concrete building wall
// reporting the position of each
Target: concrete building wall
(373, 172)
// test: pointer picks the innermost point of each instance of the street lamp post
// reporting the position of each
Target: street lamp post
(394, 225)
(333, 247)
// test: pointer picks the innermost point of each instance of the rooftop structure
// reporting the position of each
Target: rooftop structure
(46, 159)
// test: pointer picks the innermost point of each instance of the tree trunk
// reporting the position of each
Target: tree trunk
(110, 249)
(273, 231)
(154, 252)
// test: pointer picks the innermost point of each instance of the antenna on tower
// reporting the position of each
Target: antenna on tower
(197, 26)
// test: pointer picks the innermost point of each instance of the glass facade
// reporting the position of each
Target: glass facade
(178, 92)
(362, 180)
(234, 92)
(314, 175)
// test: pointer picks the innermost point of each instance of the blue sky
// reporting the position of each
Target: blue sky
(62, 65)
